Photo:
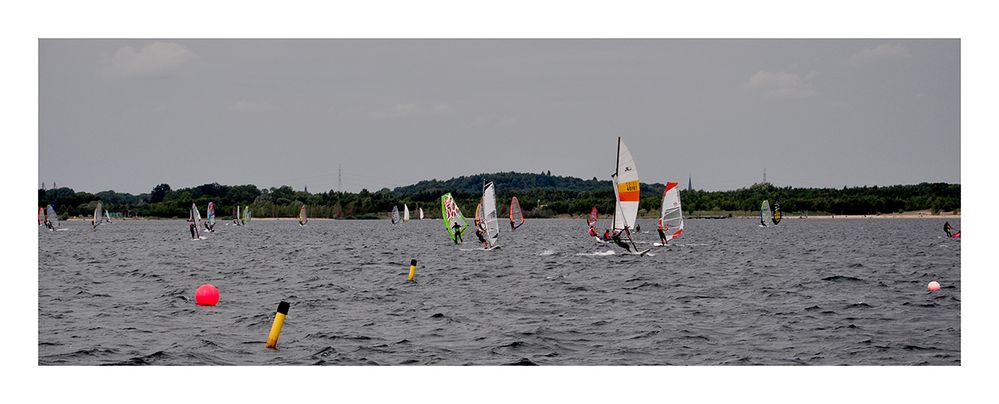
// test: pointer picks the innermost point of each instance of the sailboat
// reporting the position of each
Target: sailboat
(671, 216)
(489, 220)
(395, 214)
(626, 195)
(405, 213)
(235, 217)
(210, 223)
(196, 220)
(303, 216)
(41, 216)
(247, 213)
(421, 213)
(777, 215)
(516, 214)
(107, 216)
(452, 216)
(765, 213)
(96, 221)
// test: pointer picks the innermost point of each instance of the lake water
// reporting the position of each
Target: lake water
(809, 292)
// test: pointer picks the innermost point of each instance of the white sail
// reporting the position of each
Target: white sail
(96, 221)
(235, 217)
(405, 213)
(765, 213)
(51, 216)
(107, 216)
(489, 214)
(626, 189)
(421, 213)
(247, 213)
(196, 218)
(395, 214)
(303, 216)
(671, 217)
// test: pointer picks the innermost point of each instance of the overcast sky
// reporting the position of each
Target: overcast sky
(129, 114)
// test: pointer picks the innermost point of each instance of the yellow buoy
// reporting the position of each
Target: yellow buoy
(412, 270)
(282, 311)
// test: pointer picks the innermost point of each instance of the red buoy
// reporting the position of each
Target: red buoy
(933, 286)
(207, 295)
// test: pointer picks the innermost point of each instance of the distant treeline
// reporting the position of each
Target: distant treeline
(540, 195)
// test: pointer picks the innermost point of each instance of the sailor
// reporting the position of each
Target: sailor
(481, 233)
(48, 224)
(512, 227)
(457, 233)
(638, 228)
(621, 243)
(948, 229)
(607, 235)
(593, 231)
(662, 234)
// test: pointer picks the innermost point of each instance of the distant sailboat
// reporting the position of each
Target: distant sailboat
(235, 217)
(777, 215)
(41, 216)
(626, 195)
(765, 213)
(671, 215)
(516, 214)
(96, 221)
(210, 222)
(196, 221)
(592, 219)
(395, 214)
(303, 216)
(491, 222)
(50, 219)
(405, 213)
(452, 216)
(421, 213)
(247, 213)
(107, 216)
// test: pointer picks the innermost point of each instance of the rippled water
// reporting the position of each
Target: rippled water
(817, 292)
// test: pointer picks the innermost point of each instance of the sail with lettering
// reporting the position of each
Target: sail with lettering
(671, 216)
(626, 189)
(451, 215)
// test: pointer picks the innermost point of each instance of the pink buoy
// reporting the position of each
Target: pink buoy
(933, 286)
(207, 295)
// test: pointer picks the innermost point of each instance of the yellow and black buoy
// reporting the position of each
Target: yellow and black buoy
(282, 311)
(412, 270)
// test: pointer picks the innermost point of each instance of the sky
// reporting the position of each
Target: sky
(126, 115)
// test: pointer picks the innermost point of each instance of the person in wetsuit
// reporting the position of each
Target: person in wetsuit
(457, 233)
(662, 234)
(593, 232)
(948, 229)
(619, 242)
(638, 228)
(481, 234)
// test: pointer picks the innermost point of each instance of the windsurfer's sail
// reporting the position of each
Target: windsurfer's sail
(303, 216)
(421, 213)
(592, 220)
(210, 220)
(395, 214)
(107, 216)
(777, 215)
(405, 213)
(246, 214)
(96, 221)
(41, 216)
(452, 216)
(235, 217)
(765, 213)
(516, 214)
(671, 216)
(196, 219)
(491, 221)
(51, 217)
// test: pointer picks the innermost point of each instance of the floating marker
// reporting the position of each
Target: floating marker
(933, 286)
(278, 323)
(207, 295)
(412, 270)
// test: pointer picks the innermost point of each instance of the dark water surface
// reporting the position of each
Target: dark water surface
(815, 292)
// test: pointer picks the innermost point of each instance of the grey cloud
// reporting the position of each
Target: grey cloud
(156, 60)
(882, 52)
(782, 84)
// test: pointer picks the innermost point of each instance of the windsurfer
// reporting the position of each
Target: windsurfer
(948, 229)
(593, 231)
(621, 243)
(662, 234)
(194, 232)
(457, 233)
(638, 228)
(48, 224)
(607, 235)
(481, 234)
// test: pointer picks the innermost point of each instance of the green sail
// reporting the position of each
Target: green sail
(451, 215)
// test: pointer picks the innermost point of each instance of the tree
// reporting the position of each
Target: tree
(159, 192)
